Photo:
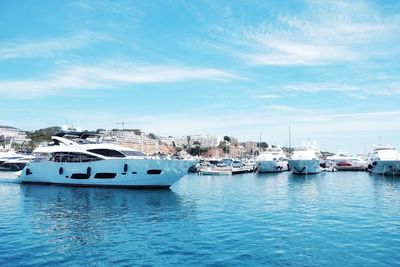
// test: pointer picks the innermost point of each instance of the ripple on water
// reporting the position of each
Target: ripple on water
(278, 219)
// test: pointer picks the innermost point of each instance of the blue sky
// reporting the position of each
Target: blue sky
(328, 69)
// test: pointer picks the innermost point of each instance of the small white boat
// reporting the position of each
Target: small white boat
(344, 162)
(224, 167)
(306, 160)
(214, 170)
(272, 160)
(81, 163)
(385, 160)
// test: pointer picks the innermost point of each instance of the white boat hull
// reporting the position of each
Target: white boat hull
(109, 173)
(305, 166)
(272, 166)
(385, 167)
(215, 171)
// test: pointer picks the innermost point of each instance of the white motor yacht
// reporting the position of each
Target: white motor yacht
(385, 160)
(12, 161)
(306, 159)
(81, 163)
(345, 162)
(272, 160)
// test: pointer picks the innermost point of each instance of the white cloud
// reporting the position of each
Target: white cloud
(320, 87)
(28, 48)
(83, 77)
(271, 96)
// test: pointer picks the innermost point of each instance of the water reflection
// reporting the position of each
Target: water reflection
(76, 216)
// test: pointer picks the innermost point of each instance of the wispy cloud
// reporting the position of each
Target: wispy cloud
(30, 48)
(322, 33)
(271, 96)
(91, 77)
(320, 87)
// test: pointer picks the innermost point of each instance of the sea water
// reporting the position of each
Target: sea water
(329, 219)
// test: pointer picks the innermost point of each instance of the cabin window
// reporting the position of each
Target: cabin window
(73, 157)
(133, 153)
(105, 175)
(154, 172)
(80, 176)
(108, 153)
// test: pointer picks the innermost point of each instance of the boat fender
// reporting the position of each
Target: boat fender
(28, 171)
(88, 170)
(60, 170)
(125, 167)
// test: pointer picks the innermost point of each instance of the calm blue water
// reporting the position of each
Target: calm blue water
(335, 219)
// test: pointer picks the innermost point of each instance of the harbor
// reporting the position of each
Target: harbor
(274, 218)
(64, 199)
(199, 133)
(78, 157)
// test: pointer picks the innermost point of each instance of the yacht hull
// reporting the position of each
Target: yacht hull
(305, 166)
(385, 167)
(136, 173)
(272, 166)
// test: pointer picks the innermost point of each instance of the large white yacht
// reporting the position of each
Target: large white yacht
(82, 163)
(273, 159)
(306, 159)
(385, 160)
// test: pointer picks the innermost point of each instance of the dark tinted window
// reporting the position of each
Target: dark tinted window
(73, 157)
(108, 153)
(133, 153)
(105, 175)
(80, 176)
(154, 172)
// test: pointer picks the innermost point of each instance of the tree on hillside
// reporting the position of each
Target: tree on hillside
(152, 136)
(224, 146)
(41, 135)
(227, 138)
(263, 145)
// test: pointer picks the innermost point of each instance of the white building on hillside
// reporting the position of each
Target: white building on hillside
(205, 140)
(12, 135)
(126, 136)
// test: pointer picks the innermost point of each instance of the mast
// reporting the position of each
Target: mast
(290, 141)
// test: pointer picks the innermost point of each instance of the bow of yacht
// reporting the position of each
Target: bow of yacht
(385, 160)
(273, 159)
(306, 160)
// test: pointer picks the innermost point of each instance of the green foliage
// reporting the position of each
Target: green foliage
(227, 138)
(263, 145)
(152, 136)
(41, 135)
(196, 150)
(196, 143)
(224, 146)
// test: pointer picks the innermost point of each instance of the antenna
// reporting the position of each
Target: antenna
(290, 141)
(123, 124)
